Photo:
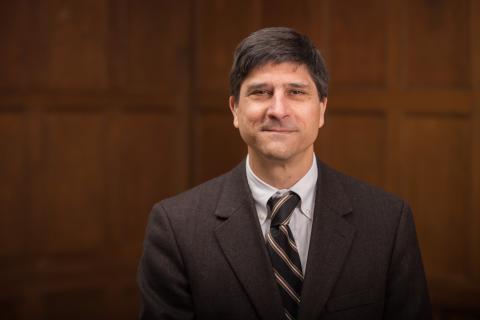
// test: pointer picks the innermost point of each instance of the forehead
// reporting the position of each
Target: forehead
(279, 73)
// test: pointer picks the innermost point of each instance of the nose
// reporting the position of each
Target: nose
(278, 107)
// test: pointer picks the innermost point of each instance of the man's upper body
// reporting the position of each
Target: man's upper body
(205, 256)
(213, 252)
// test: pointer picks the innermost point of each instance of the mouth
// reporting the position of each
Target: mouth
(278, 130)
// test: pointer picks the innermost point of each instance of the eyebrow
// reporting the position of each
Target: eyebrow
(297, 85)
(255, 86)
(263, 85)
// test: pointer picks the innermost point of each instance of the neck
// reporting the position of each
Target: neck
(279, 173)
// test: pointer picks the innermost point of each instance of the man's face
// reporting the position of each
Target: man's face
(279, 112)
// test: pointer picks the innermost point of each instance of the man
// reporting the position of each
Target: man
(282, 235)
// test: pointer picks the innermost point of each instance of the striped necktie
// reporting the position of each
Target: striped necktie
(283, 252)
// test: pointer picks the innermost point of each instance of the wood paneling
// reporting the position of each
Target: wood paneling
(436, 168)
(13, 51)
(437, 44)
(93, 131)
(13, 184)
(130, 298)
(218, 144)
(354, 143)
(359, 59)
(158, 56)
(451, 102)
(218, 28)
(70, 46)
(278, 13)
(475, 226)
(68, 209)
(10, 308)
(65, 304)
(142, 173)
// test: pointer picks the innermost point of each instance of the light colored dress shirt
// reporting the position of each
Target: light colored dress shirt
(301, 221)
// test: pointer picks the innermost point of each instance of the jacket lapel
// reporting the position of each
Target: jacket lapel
(242, 242)
(330, 242)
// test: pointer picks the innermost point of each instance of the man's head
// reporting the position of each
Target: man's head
(279, 95)
(276, 45)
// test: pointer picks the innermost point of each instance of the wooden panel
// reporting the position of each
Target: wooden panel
(284, 16)
(475, 226)
(73, 304)
(69, 44)
(357, 48)
(13, 32)
(435, 171)
(448, 102)
(13, 188)
(455, 295)
(354, 143)
(158, 56)
(145, 166)
(218, 146)
(220, 25)
(69, 201)
(10, 308)
(437, 43)
(131, 299)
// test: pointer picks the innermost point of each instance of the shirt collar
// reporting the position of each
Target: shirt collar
(305, 188)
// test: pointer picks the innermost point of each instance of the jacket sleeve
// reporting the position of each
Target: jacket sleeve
(162, 279)
(406, 293)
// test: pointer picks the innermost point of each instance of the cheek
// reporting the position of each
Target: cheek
(251, 118)
(311, 119)
(245, 124)
(317, 117)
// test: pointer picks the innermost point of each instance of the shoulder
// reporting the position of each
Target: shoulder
(202, 197)
(379, 217)
(364, 196)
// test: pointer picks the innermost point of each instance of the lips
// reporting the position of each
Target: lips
(278, 130)
(275, 126)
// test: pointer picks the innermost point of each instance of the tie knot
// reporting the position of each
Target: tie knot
(281, 207)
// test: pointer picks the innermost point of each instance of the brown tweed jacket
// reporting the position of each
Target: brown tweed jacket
(205, 258)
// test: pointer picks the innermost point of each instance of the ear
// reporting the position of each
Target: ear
(323, 108)
(233, 109)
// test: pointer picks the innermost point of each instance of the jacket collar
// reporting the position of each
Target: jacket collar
(241, 240)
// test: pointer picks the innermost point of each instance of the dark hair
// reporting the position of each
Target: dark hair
(278, 44)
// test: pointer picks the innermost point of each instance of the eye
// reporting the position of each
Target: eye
(261, 92)
(296, 92)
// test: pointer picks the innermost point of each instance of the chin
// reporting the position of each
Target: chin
(277, 155)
